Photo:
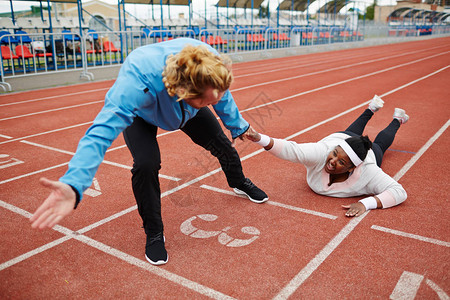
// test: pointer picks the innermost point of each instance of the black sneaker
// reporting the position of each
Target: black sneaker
(155, 251)
(254, 193)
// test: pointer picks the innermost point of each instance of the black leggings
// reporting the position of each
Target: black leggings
(140, 137)
(383, 140)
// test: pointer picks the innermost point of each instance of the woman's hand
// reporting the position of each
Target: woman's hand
(250, 135)
(354, 209)
(58, 204)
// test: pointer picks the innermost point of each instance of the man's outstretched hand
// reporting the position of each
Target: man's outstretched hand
(58, 204)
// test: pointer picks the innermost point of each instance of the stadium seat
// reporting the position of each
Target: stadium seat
(24, 53)
(23, 37)
(8, 55)
(108, 47)
(69, 36)
(7, 40)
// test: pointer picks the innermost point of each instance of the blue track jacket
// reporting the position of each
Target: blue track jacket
(140, 91)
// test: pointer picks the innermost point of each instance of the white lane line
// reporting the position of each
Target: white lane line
(274, 203)
(301, 65)
(343, 81)
(33, 252)
(407, 286)
(52, 110)
(421, 151)
(328, 70)
(48, 147)
(437, 289)
(258, 106)
(5, 136)
(33, 173)
(269, 82)
(411, 236)
(47, 132)
(304, 274)
(159, 271)
(111, 163)
(201, 289)
(62, 96)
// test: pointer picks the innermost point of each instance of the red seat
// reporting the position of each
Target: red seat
(220, 41)
(23, 52)
(8, 54)
(109, 47)
(284, 37)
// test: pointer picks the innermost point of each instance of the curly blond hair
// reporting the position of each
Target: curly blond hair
(190, 72)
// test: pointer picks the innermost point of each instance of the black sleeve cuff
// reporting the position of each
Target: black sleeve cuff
(240, 136)
(77, 195)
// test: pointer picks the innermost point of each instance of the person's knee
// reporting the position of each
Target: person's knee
(146, 166)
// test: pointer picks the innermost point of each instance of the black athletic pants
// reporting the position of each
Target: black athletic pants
(140, 137)
(383, 140)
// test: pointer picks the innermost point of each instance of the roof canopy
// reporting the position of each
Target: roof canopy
(333, 6)
(299, 5)
(164, 2)
(240, 3)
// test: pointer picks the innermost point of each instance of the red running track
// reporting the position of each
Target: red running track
(297, 245)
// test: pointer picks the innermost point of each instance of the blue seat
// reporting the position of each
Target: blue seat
(93, 33)
(146, 32)
(6, 40)
(23, 38)
(69, 36)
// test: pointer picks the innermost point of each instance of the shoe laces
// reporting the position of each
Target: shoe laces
(248, 184)
(156, 238)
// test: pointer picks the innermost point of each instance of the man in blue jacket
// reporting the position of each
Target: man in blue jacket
(167, 85)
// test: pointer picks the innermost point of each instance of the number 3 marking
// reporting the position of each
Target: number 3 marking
(223, 237)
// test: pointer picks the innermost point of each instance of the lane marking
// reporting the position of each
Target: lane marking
(267, 83)
(328, 70)
(33, 173)
(161, 272)
(407, 286)
(304, 274)
(274, 203)
(437, 289)
(347, 81)
(54, 97)
(104, 161)
(421, 151)
(201, 289)
(301, 61)
(411, 236)
(52, 110)
(47, 132)
(265, 104)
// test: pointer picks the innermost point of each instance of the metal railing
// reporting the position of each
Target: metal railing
(43, 53)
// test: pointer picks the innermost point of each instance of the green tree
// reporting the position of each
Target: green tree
(370, 11)
(263, 11)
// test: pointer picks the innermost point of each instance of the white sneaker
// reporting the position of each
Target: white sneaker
(400, 115)
(376, 103)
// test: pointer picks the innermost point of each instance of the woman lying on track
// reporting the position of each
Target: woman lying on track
(346, 164)
(167, 85)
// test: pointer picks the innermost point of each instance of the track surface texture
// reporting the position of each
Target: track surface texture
(298, 245)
